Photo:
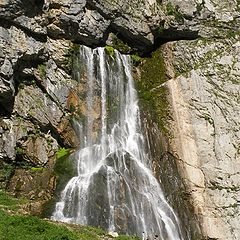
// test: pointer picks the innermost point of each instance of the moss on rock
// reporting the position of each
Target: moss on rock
(152, 93)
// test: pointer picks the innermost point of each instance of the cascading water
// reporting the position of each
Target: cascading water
(114, 187)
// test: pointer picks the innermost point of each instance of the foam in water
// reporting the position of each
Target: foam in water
(114, 187)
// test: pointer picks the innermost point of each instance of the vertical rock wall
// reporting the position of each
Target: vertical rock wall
(204, 95)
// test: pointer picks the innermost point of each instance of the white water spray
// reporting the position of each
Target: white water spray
(114, 187)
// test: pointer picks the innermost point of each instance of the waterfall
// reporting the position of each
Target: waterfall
(114, 187)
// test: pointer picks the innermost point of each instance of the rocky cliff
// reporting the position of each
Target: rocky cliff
(196, 101)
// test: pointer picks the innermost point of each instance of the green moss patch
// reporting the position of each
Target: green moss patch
(64, 167)
(152, 94)
(9, 203)
(118, 44)
(110, 50)
(42, 71)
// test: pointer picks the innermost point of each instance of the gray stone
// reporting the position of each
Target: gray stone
(206, 107)
(33, 103)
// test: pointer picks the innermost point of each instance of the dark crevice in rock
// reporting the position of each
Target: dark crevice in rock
(32, 7)
(73, 35)
(92, 6)
(6, 107)
(136, 42)
(22, 79)
(170, 35)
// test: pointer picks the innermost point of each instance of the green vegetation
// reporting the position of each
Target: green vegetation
(63, 164)
(200, 7)
(174, 11)
(120, 45)
(110, 50)
(19, 150)
(42, 71)
(37, 169)
(24, 82)
(64, 168)
(136, 59)
(62, 153)
(18, 227)
(231, 33)
(151, 92)
(6, 172)
(9, 203)
(123, 237)
(71, 56)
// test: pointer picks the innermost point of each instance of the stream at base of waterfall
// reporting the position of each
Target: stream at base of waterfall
(114, 186)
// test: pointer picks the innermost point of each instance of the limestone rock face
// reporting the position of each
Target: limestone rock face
(205, 101)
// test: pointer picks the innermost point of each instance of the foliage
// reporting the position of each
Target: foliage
(172, 10)
(151, 92)
(136, 59)
(110, 50)
(36, 169)
(71, 56)
(6, 171)
(16, 227)
(42, 71)
(63, 165)
(9, 203)
(19, 150)
(64, 168)
(120, 45)
(123, 237)
(62, 153)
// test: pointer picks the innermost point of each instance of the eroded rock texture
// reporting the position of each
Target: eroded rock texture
(205, 102)
(38, 98)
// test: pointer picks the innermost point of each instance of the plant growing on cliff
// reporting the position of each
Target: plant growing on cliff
(152, 93)
(63, 168)
(118, 44)
(174, 11)
(110, 50)
(42, 71)
(136, 59)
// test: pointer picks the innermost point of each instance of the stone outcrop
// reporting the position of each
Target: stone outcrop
(204, 95)
(38, 102)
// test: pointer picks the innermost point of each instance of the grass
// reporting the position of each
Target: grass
(14, 226)
(17, 227)
(10, 203)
